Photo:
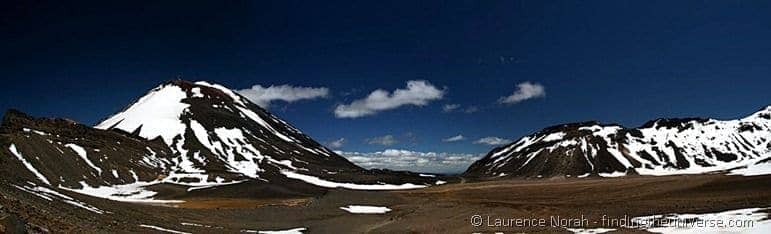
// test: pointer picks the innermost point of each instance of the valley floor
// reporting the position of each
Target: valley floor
(449, 208)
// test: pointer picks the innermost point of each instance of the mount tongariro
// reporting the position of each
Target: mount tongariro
(660, 147)
(196, 135)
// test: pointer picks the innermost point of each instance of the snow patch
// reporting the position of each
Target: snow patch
(202, 180)
(36, 132)
(359, 209)
(157, 113)
(753, 170)
(134, 192)
(197, 92)
(613, 174)
(330, 184)
(554, 136)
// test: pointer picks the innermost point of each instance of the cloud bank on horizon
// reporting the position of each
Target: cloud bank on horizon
(399, 159)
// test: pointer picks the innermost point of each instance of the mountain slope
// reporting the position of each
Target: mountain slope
(215, 130)
(659, 147)
(59, 152)
(197, 136)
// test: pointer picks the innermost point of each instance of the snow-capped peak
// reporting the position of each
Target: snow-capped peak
(210, 126)
(157, 114)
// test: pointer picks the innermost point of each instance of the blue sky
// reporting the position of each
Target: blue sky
(613, 61)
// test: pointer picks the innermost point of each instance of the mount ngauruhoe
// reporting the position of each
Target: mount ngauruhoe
(197, 135)
(659, 147)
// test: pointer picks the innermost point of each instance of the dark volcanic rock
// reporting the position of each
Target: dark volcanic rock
(67, 153)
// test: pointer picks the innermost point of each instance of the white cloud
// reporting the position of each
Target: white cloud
(470, 109)
(492, 141)
(454, 139)
(336, 144)
(418, 93)
(263, 96)
(397, 159)
(525, 90)
(450, 107)
(382, 140)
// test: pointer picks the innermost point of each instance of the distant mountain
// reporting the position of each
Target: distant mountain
(659, 147)
(193, 134)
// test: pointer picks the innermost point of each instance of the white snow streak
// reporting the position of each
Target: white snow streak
(28, 165)
(49, 194)
(359, 209)
(330, 184)
(83, 155)
(162, 229)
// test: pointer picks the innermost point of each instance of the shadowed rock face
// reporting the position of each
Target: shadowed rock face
(663, 146)
(67, 153)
